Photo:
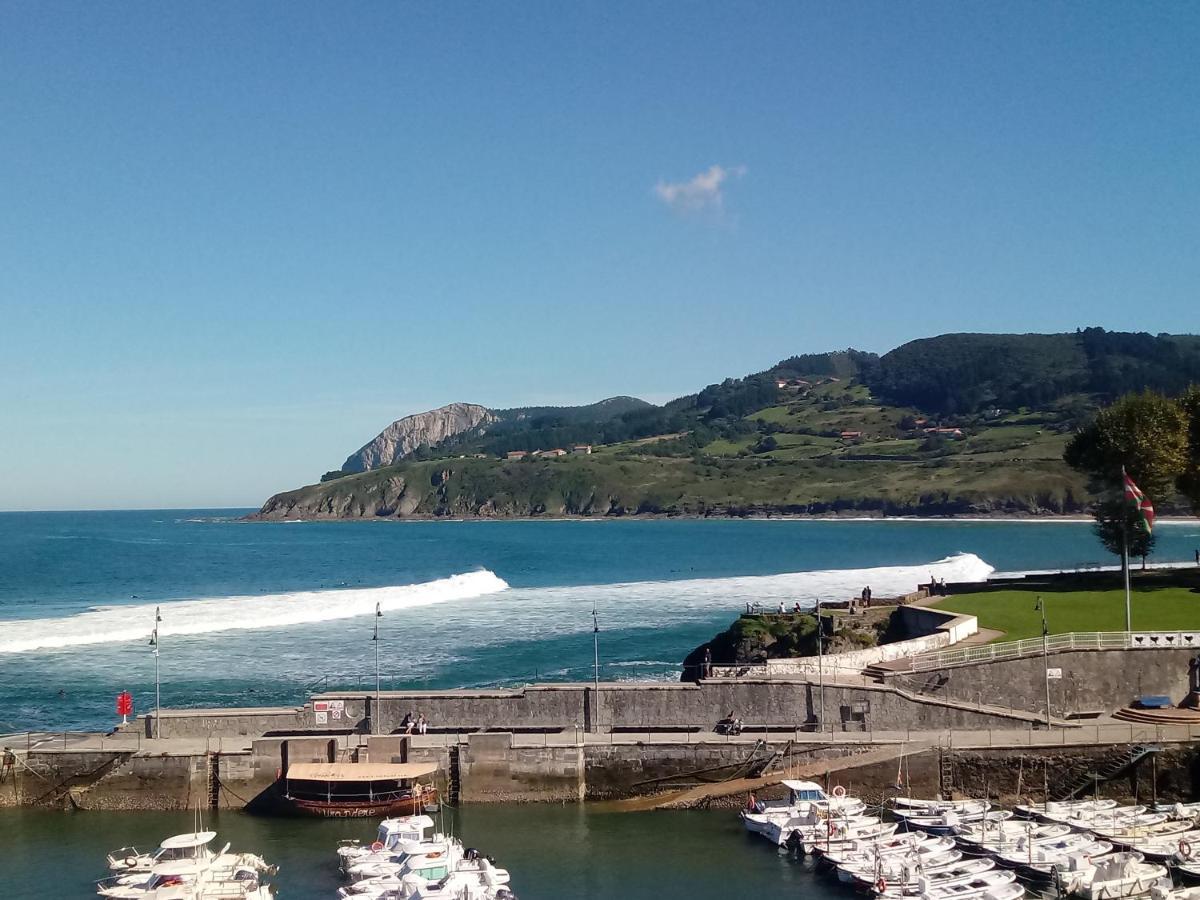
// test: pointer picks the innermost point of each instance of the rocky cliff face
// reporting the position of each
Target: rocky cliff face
(405, 435)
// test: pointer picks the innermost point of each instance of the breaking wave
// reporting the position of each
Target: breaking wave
(112, 624)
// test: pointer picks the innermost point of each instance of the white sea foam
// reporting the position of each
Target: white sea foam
(497, 614)
(111, 624)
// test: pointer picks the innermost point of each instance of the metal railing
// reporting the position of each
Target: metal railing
(1056, 643)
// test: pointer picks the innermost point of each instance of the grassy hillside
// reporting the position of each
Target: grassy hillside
(959, 424)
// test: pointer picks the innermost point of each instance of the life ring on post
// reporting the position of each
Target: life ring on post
(130, 862)
(881, 885)
(377, 846)
(1185, 849)
(839, 792)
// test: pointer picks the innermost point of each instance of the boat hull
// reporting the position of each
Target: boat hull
(354, 809)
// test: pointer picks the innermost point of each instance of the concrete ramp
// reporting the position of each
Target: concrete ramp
(706, 793)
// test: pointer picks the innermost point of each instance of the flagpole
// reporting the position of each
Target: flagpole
(157, 689)
(375, 638)
(1125, 566)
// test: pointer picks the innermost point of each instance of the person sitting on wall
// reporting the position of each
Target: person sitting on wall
(422, 723)
(407, 723)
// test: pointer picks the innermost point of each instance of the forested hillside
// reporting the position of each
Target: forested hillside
(961, 423)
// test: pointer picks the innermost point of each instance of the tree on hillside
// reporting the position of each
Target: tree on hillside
(1189, 480)
(1117, 521)
(1145, 433)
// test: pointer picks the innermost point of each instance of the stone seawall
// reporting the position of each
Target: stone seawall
(496, 769)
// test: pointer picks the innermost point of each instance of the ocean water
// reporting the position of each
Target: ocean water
(262, 613)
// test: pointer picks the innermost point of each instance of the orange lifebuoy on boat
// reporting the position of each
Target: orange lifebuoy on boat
(434, 855)
(1185, 849)
(881, 886)
(377, 846)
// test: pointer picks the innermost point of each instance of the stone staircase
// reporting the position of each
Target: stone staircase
(1116, 763)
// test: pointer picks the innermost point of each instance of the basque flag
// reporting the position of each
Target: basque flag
(1134, 495)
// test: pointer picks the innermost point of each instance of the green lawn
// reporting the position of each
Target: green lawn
(1159, 609)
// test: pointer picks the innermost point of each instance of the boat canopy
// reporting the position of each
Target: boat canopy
(804, 786)
(359, 771)
(183, 841)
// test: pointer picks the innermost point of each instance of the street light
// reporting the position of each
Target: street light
(375, 639)
(821, 673)
(595, 667)
(1041, 607)
(157, 694)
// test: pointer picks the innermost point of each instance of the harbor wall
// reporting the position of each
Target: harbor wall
(495, 769)
(1092, 680)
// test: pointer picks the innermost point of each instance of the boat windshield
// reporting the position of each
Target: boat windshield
(169, 854)
(807, 795)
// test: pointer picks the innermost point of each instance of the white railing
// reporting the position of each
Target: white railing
(1057, 643)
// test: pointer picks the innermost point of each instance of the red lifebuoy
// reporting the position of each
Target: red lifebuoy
(1185, 849)
(881, 886)
(839, 792)
(377, 846)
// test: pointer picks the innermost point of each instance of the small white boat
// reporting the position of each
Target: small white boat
(895, 866)
(898, 882)
(968, 887)
(408, 857)
(951, 821)
(1010, 891)
(1061, 807)
(782, 828)
(1182, 846)
(1005, 836)
(1041, 861)
(186, 880)
(1148, 831)
(842, 839)
(929, 807)
(1162, 892)
(802, 794)
(390, 833)
(905, 842)
(1179, 810)
(1113, 876)
(471, 878)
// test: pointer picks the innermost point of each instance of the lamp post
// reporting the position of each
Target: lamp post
(1041, 607)
(596, 666)
(375, 640)
(821, 672)
(157, 691)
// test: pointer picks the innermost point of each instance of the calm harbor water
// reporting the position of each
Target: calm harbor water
(257, 613)
(553, 852)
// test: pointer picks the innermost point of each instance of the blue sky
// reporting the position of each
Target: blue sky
(236, 240)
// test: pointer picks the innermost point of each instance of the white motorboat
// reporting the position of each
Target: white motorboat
(445, 852)
(1162, 892)
(1179, 810)
(1112, 817)
(968, 887)
(891, 882)
(928, 807)
(1113, 876)
(390, 833)
(951, 821)
(1182, 846)
(781, 827)
(177, 848)
(186, 879)
(901, 842)
(839, 838)
(804, 799)
(1010, 891)
(986, 837)
(1042, 860)
(1061, 807)
(472, 876)
(895, 866)
(1135, 833)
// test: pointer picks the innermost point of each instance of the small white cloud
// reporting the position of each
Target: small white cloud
(701, 194)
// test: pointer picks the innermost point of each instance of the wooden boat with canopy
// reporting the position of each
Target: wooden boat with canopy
(358, 790)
